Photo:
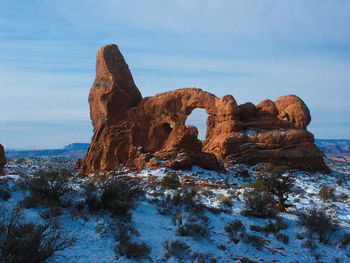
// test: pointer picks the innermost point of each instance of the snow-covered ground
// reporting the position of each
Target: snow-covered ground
(155, 228)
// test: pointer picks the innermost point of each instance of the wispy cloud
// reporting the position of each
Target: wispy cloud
(250, 49)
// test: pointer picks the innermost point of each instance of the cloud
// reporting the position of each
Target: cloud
(250, 49)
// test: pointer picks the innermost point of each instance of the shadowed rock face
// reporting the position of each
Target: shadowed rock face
(151, 132)
(2, 158)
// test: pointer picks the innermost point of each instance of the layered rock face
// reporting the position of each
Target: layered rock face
(2, 158)
(150, 132)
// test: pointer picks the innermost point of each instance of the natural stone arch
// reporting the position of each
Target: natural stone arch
(134, 131)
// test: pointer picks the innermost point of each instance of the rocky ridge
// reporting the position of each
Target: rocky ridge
(150, 132)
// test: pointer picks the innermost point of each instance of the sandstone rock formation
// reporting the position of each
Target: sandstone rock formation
(2, 158)
(151, 132)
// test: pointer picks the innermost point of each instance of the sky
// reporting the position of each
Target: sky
(250, 49)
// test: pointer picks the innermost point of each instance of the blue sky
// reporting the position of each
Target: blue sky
(250, 49)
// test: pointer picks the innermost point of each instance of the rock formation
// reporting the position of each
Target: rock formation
(150, 132)
(2, 158)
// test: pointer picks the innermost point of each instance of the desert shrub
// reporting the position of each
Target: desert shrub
(92, 198)
(271, 180)
(5, 193)
(296, 200)
(254, 240)
(187, 197)
(198, 216)
(316, 220)
(90, 203)
(52, 211)
(119, 195)
(131, 249)
(219, 197)
(200, 257)
(177, 198)
(258, 204)
(93, 203)
(344, 240)
(171, 181)
(21, 241)
(194, 230)
(299, 235)
(270, 227)
(233, 228)
(217, 210)
(244, 174)
(80, 212)
(310, 244)
(225, 200)
(177, 249)
(191, 200)
(327, 193)
(206, 192)
(342, 197)
(196, 225)
(255, 228)
(164, 207)
(317, 256)
(123, 231)
(47, 188)
(282, 237)
(340, 181)
(177, 218)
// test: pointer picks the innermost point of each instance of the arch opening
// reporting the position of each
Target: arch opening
(198, 118)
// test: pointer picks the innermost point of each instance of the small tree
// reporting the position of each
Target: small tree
(258, 204)
(171, 181)
(271, 180)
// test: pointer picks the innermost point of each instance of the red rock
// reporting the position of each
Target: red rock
(114, 90)
(151, 132)
(293, 109)
(266, 107)
(222, 247)
(2, 158)
(247, 260)
(247, 111)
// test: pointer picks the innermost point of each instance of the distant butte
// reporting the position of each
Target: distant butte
(150, 132)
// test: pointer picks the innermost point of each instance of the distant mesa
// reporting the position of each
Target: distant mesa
(72, 151)
(2, 158)
(76, 146)
(150, 132)
(338, 150)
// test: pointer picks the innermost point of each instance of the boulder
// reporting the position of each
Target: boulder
(291, 108)
(150, 132)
